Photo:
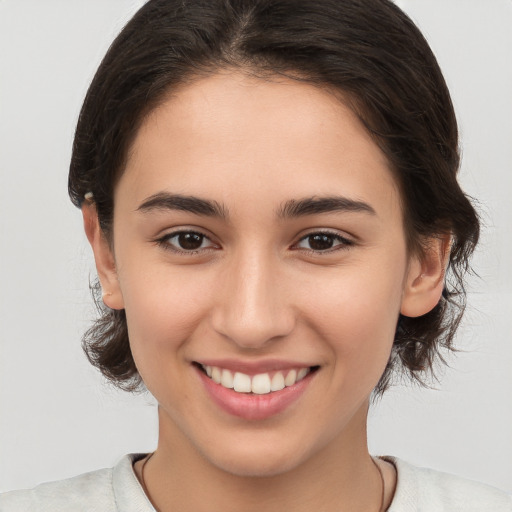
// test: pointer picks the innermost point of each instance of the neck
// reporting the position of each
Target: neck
(340, 477)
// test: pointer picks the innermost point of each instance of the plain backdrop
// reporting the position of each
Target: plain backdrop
(57, 416)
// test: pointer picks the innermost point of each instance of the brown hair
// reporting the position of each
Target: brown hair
(368, 50)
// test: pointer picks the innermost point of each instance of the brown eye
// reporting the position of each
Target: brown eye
(190, 241)
(319, 242)
(186, 241)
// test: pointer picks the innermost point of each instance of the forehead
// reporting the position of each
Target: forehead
(232, 132)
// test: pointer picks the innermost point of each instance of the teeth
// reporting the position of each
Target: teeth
(290, 378)
(260, 384)
(277, 382)
(242, 383)
(302, 373)
(216, 375)
(226, 379)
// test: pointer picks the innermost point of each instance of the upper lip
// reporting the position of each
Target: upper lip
(253, 367)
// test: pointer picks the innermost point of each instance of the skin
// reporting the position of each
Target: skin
(256, 290)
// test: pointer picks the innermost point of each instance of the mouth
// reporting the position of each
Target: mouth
(248, 392)
(259, 384)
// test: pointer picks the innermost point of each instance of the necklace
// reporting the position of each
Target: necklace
(383, 486)
(143, 481)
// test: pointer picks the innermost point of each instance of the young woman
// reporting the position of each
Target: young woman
(269, 189)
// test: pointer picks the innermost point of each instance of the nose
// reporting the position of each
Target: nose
(252, 307)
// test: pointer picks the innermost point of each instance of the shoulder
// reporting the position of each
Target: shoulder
(104, 490)
(425, 490)
(63, 495)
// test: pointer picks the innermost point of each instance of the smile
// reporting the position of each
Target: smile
(260, 384)
(251, 393)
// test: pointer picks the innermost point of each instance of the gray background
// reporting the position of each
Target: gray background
(57, 416)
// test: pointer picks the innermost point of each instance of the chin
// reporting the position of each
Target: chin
(257, 468)
(256, 463)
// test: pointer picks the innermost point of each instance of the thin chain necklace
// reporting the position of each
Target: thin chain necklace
(143, 481)
(383, 486)
(144, 487)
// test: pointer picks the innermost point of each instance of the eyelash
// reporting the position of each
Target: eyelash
(344, 243)
(164, 242)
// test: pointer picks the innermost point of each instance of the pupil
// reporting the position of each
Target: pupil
(320, 242)
(190, 241)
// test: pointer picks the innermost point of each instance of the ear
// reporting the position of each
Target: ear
(425, 277)
(104, 257)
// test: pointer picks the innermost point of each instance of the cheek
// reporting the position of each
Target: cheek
(163, 310)
(356, 314)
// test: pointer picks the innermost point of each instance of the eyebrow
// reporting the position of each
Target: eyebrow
(317, 205)
(163, 201)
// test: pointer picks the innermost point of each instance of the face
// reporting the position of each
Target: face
(258, 243)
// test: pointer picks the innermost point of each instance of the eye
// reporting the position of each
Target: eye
(323, 242)
(186, 241)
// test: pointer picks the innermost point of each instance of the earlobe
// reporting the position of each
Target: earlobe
(425, 277)
(103, 256)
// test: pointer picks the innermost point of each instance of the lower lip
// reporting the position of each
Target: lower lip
(250, 406)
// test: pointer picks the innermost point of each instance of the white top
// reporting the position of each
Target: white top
(118, 490)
